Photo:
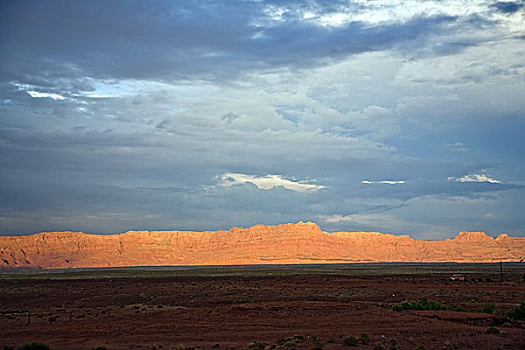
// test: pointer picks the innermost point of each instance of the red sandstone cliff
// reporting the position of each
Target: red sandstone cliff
(260, 244)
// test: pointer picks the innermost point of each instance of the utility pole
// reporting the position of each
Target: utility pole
(501, 270)
(28, 317)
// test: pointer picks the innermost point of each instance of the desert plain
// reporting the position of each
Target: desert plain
(264, 307)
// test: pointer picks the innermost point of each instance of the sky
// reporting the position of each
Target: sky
(404, 117)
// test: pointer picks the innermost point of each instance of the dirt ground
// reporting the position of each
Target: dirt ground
(261, 307)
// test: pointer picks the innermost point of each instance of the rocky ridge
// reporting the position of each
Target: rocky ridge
(299, 243)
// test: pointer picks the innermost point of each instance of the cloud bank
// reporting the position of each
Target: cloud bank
(206, 115)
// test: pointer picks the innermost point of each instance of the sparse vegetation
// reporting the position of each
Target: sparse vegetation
(360, 299)
(257, 346)
(364, 338)
(393, 344)
(379, 346)
(350, 341)
(518, 313)
(34, 346)
(493, 330)
(421, 304)
(298, 338)
(282, 341)
(488, 308)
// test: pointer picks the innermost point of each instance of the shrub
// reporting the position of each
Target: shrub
(420, 347)
(34, 346)
(350, 341)
(487, 308)
(100, 348)
(518, 313)
(298, 338)
(257, 346)
(379, 346)
(393, 344)
(282, 341)
(492, 330)
(364, 338)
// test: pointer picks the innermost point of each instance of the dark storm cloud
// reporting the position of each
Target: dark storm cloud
(160, 40)
(126, 114)
(508, 6)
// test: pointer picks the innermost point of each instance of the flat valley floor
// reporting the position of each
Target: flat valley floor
(262, 307)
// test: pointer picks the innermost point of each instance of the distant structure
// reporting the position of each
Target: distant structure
(457, 277)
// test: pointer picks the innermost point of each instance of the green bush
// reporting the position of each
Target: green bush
(350, 341)
(518, 313)
(487, 308)
(34, 346)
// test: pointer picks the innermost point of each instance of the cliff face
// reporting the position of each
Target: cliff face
(260, 244)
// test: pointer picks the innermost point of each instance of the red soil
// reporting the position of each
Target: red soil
(178, 311)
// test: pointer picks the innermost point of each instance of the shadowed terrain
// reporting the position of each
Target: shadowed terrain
(282, 307)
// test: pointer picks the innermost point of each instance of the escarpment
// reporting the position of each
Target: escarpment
(299, 243)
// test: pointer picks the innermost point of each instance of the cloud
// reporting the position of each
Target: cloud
(474, 178)
(268, 182)
(388, 182)
(507, 6)
(37, 94)
(455, 147)
(195, 40)
(348, 93)
(338, 218)
(229, 117)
